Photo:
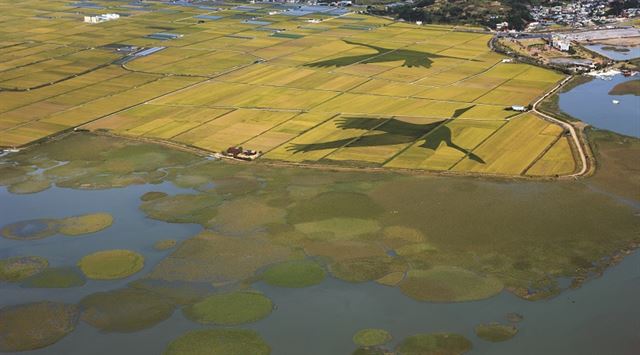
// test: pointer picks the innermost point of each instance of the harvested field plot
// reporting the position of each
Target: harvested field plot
(348, 90)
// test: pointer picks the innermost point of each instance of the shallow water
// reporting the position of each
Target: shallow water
(591, 103)
(130, 230)
(632, 53)
(602, 317)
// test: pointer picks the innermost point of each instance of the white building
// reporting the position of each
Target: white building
(502, 26)
(101, 18)
(561, 43)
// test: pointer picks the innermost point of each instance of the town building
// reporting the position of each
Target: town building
(560, 43)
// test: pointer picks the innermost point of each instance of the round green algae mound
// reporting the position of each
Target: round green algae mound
(294, 274)
(125, 310)
(371, 337)
(58, 277)
(35, 325)
(30, 229)
(434, 344)
(230, 308)
(165, 244)
(219, 342)
(449, 284)
(18, 268)
(152, 195)
(85, 224)
(514, 317)
(111, 264)
(496, 332)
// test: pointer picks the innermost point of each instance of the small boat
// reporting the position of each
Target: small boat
(615, 102)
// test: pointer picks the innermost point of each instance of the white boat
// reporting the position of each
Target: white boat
(615, 102)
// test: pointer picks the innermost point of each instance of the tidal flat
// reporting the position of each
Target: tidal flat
(425, 258)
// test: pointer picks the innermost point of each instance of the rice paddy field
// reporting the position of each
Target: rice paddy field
(309, 85)
(113, 245)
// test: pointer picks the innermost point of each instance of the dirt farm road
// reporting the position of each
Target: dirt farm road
(568, 126)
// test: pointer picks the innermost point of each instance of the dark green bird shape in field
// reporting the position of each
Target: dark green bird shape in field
(390, 132)
(411, 58)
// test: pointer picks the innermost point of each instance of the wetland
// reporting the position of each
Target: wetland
(132, 246)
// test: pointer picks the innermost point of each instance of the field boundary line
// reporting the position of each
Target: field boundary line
(424, 136)
(303, 132)
(80, 106)
(542, 154)
(470, 151)
(201, 124)
(355, 139)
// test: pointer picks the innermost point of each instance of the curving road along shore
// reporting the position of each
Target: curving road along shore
(568, 126)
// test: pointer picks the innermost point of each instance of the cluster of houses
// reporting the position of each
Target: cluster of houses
(577, 14)
(101, 18)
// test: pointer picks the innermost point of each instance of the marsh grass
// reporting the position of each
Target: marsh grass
(165, 244)
(334, 205)
(58, 277)
(35, 325)
(230, 308)
(152, 195)
(179, 292)
(245, 215)
(31, 185)
(449, 284)
(219, 342)
(338, 228)
(125, 310)
(434, 344)
(212, 257)
(294, 274)
(191, 208)
(362, 269)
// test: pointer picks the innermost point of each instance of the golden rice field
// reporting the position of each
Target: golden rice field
(312, 87)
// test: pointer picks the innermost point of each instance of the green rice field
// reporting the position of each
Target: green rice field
(432, 98)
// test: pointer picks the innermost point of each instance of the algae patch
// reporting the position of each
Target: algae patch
(85, 224)
(111, 264)
(496, 332)
(30, 229)
(45, 227)
(371, 337)
(21, 267)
